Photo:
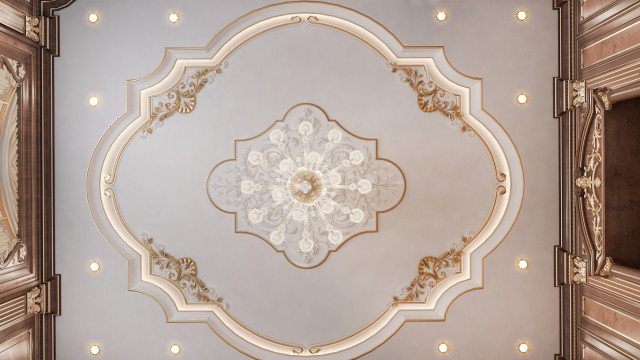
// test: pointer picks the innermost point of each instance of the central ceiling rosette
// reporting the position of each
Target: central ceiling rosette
(306, 185)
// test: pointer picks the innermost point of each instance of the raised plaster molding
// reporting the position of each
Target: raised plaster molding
(102, 177)
(306, 185)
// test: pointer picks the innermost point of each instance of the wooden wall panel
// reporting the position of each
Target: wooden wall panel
(621, 40)
(613, 319)
(590, 7)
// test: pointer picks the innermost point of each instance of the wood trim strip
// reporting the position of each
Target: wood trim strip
(12, 17)
(612, 319)
(611, 45)
(12, 310)
(613, 288)
(588, 353)
(591, 7)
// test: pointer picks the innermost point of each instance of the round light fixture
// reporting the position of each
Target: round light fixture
(443, 348)
(523, 264)
(94, 101)
(441, 16)
(173, 17)
(94, 349)
(523, 348)
(175, 349)
(93, 18)
(94, 266)
(522, 15)
(522, 99)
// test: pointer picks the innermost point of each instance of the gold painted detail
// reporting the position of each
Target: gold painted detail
(181, 98)
(577, 270)
(306, 186)
(606, 268)
(37, 300)
(589, 182)
(35, 29)
(604, 96)
(431, 271)
(432, 97)
(577, 93)
(182, 273)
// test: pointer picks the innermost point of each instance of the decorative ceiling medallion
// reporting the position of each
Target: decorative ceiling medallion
(306, 185)
(275, 195)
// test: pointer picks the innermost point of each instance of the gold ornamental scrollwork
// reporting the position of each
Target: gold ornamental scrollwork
(432, 271)
(35, 28)
(182, 273)
(590, 182)
(181, 98)
(432, 98)
(36, 300)
(577, 93)
(577, 270)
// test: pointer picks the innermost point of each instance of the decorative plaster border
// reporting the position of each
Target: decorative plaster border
(102, 176)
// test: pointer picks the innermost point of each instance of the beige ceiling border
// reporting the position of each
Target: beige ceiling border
(102, 178)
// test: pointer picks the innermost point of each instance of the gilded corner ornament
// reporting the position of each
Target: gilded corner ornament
(431, 271)
(181, 98)
(606, 101)
(182, 273)
(432, 97)
(606, 268)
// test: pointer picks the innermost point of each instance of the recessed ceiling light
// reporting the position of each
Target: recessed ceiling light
(522, 15)
(94, 101)
(523, 264)
(94, 266)
(441, 16)
(522, 99)
(93, 18)
(443, 348)
(94, 349)
(523, 348)
(175, 349)
(173, 17)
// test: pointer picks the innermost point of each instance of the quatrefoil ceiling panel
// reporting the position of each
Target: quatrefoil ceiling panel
(305, 184)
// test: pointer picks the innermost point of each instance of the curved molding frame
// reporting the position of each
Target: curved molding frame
(102, 178)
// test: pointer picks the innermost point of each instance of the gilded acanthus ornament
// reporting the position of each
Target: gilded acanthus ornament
(589, 182)
(36, 300)
(578, 270)
(182, 273)
(432, 97)
(577, 93)
(604, 96)
(35, 29)
(431, 271)
(181, 98)
(606, 268)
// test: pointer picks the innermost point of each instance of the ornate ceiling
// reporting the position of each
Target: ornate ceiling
(304, 184)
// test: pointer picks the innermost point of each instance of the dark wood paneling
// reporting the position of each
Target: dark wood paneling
(590, 7)
(620, 40)
(591, 354)
(622, 176)
(612, 319)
